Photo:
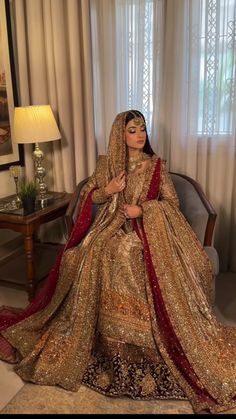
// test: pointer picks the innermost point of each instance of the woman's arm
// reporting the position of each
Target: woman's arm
(167, 193)
(104, 190)
(100, 195)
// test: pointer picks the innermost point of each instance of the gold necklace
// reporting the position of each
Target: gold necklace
(135, 163)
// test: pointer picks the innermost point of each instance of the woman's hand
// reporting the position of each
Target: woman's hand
(117, 184)
(132, 211)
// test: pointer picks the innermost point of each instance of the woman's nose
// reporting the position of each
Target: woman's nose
(141, 133)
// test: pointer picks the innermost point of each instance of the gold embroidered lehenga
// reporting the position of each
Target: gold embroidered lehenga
(126, 309)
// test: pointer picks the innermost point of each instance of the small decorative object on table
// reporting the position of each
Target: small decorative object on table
(15, 172)
(28, 191)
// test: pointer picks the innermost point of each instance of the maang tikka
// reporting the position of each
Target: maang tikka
(138, 120)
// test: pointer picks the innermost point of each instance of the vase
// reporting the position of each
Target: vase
(28, 205)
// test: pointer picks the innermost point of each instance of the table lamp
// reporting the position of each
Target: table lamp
(36, 124)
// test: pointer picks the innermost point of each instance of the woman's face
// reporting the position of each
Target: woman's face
(135, 134)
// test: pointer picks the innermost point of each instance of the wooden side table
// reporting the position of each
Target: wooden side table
(27, 225)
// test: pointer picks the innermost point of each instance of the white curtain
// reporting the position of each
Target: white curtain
(53, 54)
(127, 37)
(196, 132)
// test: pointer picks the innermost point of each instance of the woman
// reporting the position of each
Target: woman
(126, 309)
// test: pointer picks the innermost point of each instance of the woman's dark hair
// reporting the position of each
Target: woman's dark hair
(131, 115)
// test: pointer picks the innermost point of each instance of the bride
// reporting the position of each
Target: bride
(126, 309)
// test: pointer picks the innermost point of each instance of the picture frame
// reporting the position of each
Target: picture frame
(10, 152)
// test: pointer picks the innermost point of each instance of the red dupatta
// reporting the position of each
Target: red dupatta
(168, 335)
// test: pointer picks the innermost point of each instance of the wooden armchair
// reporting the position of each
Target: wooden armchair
(193, 203)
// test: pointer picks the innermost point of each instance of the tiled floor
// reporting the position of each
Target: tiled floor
(10, 383)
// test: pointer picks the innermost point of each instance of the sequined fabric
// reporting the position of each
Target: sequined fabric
(125, 359)
(131, 311)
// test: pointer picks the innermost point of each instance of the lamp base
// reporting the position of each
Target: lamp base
(40, 173)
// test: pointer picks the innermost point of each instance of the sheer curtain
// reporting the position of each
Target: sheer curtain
(196, 132)
(127, 38)
(53, 55)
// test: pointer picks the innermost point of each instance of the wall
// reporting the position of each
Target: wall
(7, 184)
(7, 187)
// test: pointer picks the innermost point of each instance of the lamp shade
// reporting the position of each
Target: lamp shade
(34, 124)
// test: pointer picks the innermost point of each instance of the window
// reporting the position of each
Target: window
(217, 67)
(138, 36)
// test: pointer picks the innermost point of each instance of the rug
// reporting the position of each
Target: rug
(44, 399)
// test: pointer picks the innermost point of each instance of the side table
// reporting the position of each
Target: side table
(28, 224)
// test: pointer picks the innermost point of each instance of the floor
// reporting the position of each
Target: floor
(10, 383)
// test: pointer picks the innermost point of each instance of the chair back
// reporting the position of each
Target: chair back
(193, 203)
(196, 207)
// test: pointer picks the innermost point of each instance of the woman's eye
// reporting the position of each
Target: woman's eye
(132, 132)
